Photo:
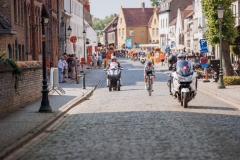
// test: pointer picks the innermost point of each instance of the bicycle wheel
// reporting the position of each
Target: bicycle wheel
(149, 86)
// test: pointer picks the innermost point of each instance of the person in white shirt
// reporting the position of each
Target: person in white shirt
(60, 69)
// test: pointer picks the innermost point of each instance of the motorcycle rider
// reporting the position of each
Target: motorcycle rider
(114, 63)
(149, 69)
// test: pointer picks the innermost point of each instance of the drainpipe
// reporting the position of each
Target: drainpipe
(26, 20)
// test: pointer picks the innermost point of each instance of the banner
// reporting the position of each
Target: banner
(129, 43)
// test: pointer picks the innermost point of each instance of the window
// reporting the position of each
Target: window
(142, 32)
(120, 20)
(123, 31)
(129, 19)
(119, 32)
(155, 21)
(157, 32)
(153, 31)
(131, 32)
(166, 23)
(15, 10)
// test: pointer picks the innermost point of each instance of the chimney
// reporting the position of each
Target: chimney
(143, 6)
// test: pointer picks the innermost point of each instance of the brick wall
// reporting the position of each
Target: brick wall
(30, 87)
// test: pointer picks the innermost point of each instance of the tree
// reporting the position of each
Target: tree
(155, 3)
(229, 32)
(100, 24)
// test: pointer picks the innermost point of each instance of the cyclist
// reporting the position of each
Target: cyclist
(149, 69)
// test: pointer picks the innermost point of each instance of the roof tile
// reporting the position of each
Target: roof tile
(136, 16)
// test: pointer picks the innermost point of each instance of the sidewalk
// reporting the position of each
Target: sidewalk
(230, 94)
(22, 125)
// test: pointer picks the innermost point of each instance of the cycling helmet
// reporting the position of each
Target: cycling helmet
(149, 63)
(114, 58)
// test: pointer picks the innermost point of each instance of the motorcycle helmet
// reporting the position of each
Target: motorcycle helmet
(149, 63)
(114, 58)
(181, 56)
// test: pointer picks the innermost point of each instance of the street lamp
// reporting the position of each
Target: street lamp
(45, 107)
(199, 28)
(84, 36)
(220, 12)
(69, 31)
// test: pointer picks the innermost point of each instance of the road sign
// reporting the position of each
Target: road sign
(203, 45)
(73, 39)
(203, 60)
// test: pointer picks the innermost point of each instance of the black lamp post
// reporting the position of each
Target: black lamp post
(45, 106)
(84, 38)
(69, 31)
(220, 12)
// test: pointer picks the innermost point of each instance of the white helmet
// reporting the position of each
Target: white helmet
(114, 57)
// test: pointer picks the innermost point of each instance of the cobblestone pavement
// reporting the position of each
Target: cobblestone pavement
(128, 124)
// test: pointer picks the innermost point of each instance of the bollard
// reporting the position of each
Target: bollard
(83, 85)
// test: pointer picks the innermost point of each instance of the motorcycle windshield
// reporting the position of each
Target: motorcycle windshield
(113, 66)
(184, 68)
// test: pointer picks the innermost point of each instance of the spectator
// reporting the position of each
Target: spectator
(65, 68)
(60, 69)
(72, 66)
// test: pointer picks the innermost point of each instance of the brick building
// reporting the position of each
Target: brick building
(21, 29)
(13, 29)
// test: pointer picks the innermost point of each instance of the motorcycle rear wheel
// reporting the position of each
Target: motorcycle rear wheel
(110, 86)
(185, 100)
(118, 85)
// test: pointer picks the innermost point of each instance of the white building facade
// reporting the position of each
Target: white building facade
(74, 14)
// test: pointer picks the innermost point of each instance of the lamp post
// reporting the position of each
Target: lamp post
(220, 12)
(45, 107)
(69, 31)
(84, 36)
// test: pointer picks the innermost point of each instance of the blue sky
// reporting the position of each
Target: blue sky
(102, 8)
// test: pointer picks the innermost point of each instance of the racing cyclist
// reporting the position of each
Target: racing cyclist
(149, 69)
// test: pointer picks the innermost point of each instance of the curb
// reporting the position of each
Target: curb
(221, 97)
(42, 127)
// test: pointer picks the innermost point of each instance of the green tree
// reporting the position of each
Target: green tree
(100, 24)
(155, 3)
(229, 32)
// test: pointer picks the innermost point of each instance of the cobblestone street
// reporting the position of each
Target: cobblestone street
(129, 124)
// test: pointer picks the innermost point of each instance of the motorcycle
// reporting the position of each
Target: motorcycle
(114, 77)
(183, 82)
(142, 59)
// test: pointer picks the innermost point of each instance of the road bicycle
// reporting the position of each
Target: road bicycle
(149, 84)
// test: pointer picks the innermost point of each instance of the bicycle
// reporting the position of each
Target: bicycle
(149, 84)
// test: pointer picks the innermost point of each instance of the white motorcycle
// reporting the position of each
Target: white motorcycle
(183, 82)
(142, 59)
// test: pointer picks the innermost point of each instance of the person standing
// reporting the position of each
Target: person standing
(104, 57)
(60, 69)
(65, 68)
